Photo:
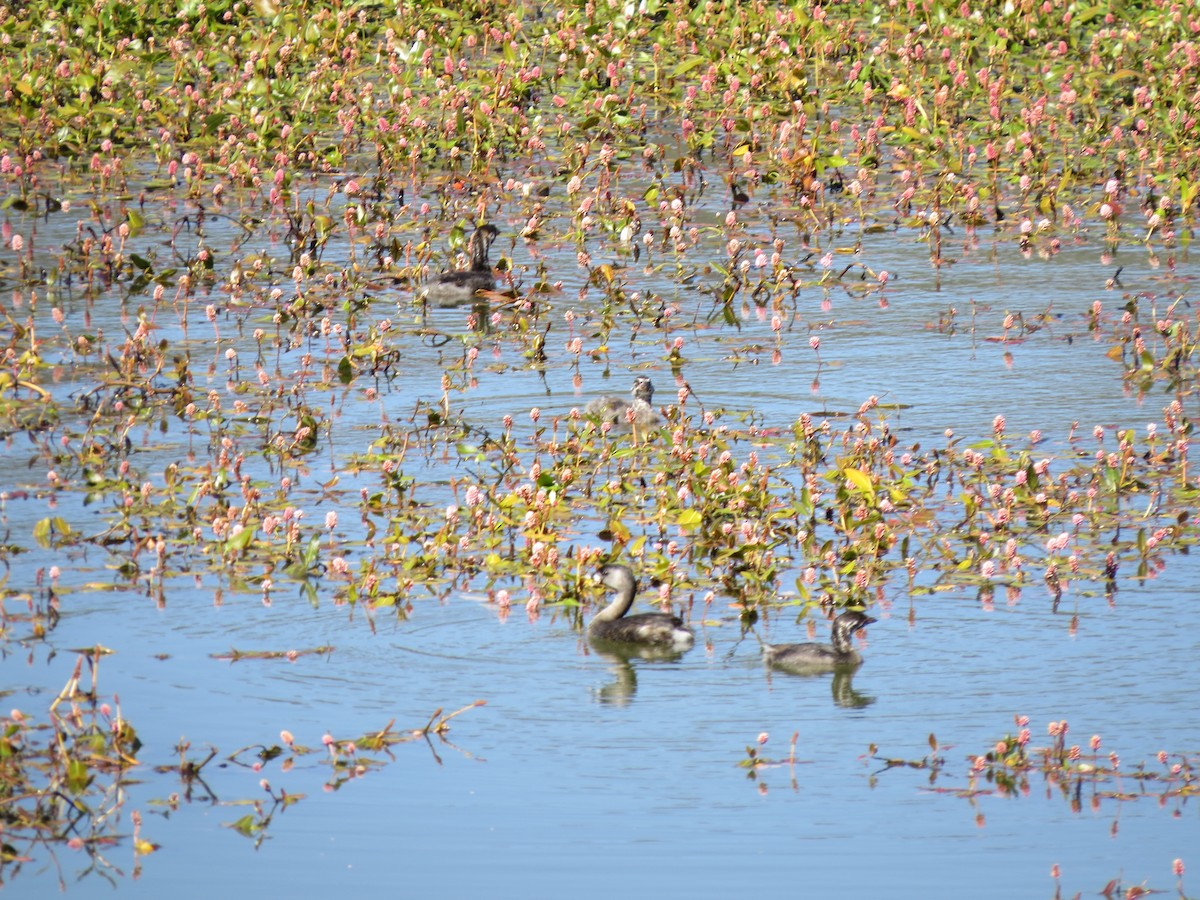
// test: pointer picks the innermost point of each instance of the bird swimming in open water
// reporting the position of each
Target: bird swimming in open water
(806, 659)
(459, 287)
(616, 411)
(659, 630)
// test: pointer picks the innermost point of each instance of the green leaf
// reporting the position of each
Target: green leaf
(78, 777)
(46, 529)
(247, 825)
(618, 531)
(860, 480)
(1110, 478)
(241, 540)
(688, 65)
(41, 533)
(312, 552)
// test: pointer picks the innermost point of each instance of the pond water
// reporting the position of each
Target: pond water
(271, 506)
(588, 774)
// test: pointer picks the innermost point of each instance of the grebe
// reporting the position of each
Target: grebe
(647, 629)
(616, 410)
(803, 659)
(463, 286)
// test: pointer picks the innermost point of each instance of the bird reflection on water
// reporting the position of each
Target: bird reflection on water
(841, 686)
(622, 689)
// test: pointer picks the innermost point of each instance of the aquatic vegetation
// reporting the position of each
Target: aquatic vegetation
(1068, 771)
(220, 220)
(66, 782)
(1013, 767)
(1080, 776)
(63, 781)
(1115, 888)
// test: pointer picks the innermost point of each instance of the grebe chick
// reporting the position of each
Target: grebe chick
(616, 410)
(459, 287)
(804, 659)
(646, 629)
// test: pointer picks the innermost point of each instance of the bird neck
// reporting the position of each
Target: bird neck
(841, 638)
(479, 252)
(620, 604)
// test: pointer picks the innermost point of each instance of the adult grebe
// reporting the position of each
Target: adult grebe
(616, 410)
(647, 629)
(461, 286)
(804, 659)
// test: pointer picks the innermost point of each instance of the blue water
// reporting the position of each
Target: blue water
(553, 790)
(582, 776)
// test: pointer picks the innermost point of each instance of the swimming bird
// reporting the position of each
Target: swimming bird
(806, 659)
(659, 630)
(461, 286)
(616, 410)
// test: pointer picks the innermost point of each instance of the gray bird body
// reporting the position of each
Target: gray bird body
(621, 413)
(460, 287)
(804, 659)
(646, 629)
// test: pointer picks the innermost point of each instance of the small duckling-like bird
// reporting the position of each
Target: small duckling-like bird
(645, 629)
(616, 410)
(462, 286)
(806, 659)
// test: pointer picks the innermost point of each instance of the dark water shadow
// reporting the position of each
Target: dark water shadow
(622, 689)
(841, 685)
